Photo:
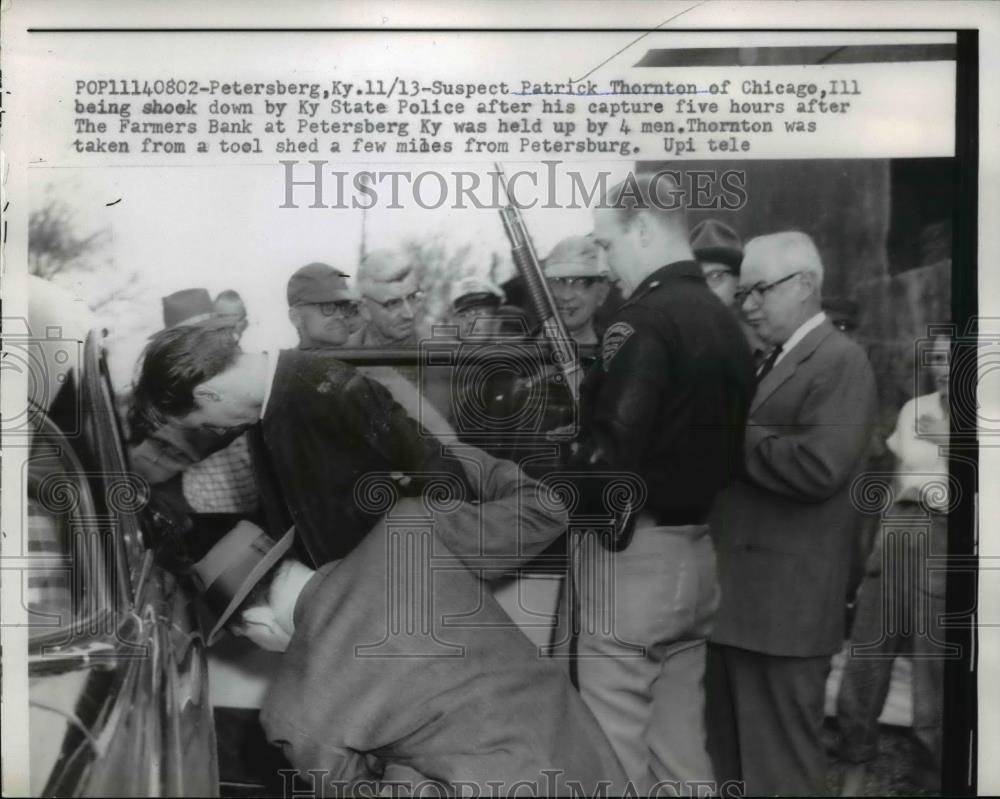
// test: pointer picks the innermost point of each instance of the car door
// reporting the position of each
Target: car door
(118, 701)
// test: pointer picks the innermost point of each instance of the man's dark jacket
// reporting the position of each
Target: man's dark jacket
(326, 427)
(669, 395)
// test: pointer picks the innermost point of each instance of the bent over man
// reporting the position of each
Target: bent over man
(323, 424)
(457, 698)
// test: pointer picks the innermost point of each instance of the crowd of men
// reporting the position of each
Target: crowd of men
(698, 618)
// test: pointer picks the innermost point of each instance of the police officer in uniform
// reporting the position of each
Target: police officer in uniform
(667, 401)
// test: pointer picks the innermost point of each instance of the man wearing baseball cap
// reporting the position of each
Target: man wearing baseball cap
(474, 306)
(458, 699)
(578, 284)
(720, 252)
(322, 307)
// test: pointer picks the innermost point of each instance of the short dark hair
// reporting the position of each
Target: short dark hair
(179, 359)
(657, 192)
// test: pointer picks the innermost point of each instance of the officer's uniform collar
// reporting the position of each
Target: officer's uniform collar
(673, 271)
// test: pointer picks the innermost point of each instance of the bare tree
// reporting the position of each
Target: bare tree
(438, 266)
(56, 247)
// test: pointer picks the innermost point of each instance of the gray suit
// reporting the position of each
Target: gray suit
(784, 536)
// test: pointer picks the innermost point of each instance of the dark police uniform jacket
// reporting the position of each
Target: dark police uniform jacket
(325, 428)
(669, 396)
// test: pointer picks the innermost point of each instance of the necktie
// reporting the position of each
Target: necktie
(768, 365)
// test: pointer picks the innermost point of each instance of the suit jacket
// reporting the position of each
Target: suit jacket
(785, 530)
(403, 666)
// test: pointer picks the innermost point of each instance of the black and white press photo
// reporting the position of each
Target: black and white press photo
(475, 406)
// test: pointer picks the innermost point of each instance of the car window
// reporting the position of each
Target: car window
(67, 588)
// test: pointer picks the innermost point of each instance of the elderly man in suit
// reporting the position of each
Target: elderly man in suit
(785, 530)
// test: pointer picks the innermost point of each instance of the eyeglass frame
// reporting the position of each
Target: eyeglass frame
(714, 276)
(337, 308)
(575, 283)
(758, 290)
(394, 304)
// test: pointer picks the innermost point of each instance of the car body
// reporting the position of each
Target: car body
(118, 682)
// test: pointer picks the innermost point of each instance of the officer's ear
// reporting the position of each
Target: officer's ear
(603, 287)
(642, 225)
(295, 317)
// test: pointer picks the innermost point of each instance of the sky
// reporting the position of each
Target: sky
(222, 228)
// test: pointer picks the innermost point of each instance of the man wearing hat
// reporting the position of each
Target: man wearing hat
(720, 252)
(327, 314)
(578, 284)
(187, 307)
(459, 698)
(321, 306)
(474, 307)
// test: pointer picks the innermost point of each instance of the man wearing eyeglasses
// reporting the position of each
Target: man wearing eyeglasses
(391, 300)
(720, 252)
(320, 306)
(578, 284)
(785, 530)
(327, 314)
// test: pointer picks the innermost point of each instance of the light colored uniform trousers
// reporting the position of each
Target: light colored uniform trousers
(643, 615)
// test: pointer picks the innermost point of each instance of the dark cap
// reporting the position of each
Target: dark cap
(318, 282)
(187, 307)
(473, 292)
(226, 575)
(713, 241)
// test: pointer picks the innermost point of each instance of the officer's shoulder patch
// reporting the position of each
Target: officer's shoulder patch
(614, 337)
